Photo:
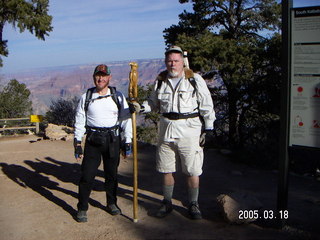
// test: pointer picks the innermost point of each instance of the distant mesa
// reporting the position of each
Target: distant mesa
(47, 84)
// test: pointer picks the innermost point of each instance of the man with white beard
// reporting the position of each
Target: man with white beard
(186, 114)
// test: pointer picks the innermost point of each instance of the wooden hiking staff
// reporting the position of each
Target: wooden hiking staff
(133, 95)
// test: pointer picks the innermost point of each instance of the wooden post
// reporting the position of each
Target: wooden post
(36, 119)
(133, 94)
(37, 127)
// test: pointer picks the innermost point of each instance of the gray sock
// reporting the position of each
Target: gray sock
(193, 194)
(167, 192)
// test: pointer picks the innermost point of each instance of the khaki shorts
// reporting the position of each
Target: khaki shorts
(187, 150)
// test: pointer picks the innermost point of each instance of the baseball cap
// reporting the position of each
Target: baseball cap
(103, 69)
(174, 49)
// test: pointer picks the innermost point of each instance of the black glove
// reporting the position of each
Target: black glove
(206, 136)
(78, 151)
(77, 148)
(134, 107)
(126, 149)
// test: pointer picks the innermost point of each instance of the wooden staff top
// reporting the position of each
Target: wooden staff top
(133, 85)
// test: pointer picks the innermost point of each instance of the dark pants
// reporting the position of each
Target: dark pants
(109, 151)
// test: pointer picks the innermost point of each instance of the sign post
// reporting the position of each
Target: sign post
(36, 119)
(282, 198)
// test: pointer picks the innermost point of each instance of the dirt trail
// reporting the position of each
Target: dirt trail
(38, 184)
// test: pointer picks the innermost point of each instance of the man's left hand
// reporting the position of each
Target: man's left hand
(206, 136)
(127, 150)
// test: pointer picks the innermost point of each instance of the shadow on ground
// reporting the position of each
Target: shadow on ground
(220, 176)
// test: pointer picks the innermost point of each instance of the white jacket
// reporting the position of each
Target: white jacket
(103, 113)
(182, 100)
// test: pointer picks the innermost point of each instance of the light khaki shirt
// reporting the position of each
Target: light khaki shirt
(182, 100)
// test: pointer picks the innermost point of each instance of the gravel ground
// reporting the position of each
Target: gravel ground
(38, 183)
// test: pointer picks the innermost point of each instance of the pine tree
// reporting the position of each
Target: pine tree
(239, 40)
(25, 15)
(14, 100)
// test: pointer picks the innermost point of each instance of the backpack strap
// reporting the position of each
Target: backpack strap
(192, 81)
(161, 77)
(89, 97)
(188, 74)
(114, 96)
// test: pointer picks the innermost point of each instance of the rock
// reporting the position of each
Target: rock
(69, 137)
(55, 132)
(29, 132)
(239, 207)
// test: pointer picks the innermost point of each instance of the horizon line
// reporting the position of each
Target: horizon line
(21, 71)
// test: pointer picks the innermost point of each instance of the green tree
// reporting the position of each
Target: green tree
(14, 100)
(227, 36)
(143, 94)
(147, 132)
(62, 111)
(24, 14)
(231, 18)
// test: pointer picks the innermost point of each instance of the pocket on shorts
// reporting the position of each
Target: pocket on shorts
(196, 168)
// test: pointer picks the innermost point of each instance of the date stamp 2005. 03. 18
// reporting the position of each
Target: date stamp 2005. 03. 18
(265, 214)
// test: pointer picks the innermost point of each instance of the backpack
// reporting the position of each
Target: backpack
(89, 98)
(188, 74)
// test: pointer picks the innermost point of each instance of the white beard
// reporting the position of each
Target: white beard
(173, 74)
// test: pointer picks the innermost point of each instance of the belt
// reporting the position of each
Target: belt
(177, 116)
(114, 129)
(101, 135)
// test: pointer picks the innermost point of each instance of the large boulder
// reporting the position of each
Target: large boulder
(55, 132)
(239, 207)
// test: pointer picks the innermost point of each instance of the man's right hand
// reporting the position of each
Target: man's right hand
(78, 153)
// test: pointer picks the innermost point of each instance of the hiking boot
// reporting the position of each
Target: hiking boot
(165, 209)
(82, 216)
(194, 211)
(113, 209)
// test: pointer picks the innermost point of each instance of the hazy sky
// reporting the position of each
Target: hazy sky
(94, 31)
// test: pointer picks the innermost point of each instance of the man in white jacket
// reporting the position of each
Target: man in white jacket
(102, 114)
(186, 108)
